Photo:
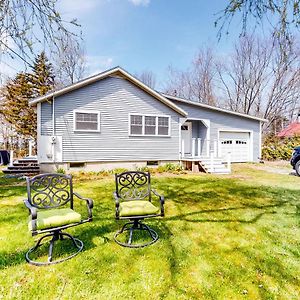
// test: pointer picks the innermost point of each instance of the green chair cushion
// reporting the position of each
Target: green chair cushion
(137, 208)
(55, 218)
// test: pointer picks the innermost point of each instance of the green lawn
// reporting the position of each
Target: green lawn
(223, 237)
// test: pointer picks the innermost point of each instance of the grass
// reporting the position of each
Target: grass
(223, 237)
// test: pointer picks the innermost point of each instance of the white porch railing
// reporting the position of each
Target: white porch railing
(206, 149)
(201, 148)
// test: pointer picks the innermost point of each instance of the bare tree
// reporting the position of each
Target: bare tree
(243, 75)
(197, 82)
(283, 16)
(26, 23)
(259, 80)
(70, 61)
(147, 77)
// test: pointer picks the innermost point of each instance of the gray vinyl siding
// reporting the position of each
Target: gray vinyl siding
(46, 118)
(198, 130)
(115, 98)
(221, 121)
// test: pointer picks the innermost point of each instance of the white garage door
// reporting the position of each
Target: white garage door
(237, 143)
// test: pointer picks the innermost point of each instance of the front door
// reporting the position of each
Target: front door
(186, 137)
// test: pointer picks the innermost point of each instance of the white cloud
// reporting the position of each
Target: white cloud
(98, 63)
(140, 2)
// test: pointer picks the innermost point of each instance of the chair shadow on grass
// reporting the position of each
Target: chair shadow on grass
(85, 233)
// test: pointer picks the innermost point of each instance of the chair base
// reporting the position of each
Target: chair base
(56, 235)
(136, 224)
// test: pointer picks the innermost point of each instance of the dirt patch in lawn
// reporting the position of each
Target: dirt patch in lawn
(276, 167)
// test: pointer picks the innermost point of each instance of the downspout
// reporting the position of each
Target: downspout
(259, 142)
(53, 129)
(180, 154)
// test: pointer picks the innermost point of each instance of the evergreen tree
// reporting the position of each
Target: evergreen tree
(20, 90)
(15, 109)
(42, 76)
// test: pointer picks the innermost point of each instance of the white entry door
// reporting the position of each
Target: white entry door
(237, 143)
(186, 137)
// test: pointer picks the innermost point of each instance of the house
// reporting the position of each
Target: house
(291, 130)
(114, 120)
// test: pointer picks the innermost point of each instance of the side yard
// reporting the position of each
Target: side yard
(223, 237)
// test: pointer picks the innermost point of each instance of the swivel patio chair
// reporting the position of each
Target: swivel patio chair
(51, 209)
(134, 202)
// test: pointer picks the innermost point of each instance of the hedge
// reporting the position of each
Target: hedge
(275, 148)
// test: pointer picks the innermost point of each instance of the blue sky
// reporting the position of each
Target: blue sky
(145, 34)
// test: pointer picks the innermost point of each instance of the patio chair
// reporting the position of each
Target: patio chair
(133, 202)
(50, 204)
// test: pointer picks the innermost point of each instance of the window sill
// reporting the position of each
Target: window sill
(149, 135)
(92, 131)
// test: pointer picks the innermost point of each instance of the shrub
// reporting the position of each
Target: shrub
(60, 171)
(275, 148)
(171, 168)
(118, 170)
(145, 169)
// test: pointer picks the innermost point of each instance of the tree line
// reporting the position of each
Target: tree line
(256, 78)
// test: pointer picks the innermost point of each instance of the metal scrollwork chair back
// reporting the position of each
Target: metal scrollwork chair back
(133, 200)
(50, 201)
(133, 186)
(50, 190)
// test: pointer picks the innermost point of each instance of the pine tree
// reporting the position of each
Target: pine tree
(42, 77)
(20, 90)
(15, 109)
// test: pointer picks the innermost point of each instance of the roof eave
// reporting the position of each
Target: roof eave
(215, 108)
(104, 75)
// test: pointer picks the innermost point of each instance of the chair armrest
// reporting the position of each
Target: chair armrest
(89, 204)
(162, 201)
(117, 202)
(33, 214)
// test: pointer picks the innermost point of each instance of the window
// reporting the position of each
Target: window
(163, 125)
(77, 165)
(227, 142)
(136, 124)
(86, 121)
(152, 163)
(149, 125)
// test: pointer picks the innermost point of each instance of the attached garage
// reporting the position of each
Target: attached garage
(238, 143)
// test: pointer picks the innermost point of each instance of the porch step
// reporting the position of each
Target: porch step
(24, 166)
(34, 168)
(27, 160)
(32, 164)
(218, 171)
(207, 165)
(207, 160)
(20, 172)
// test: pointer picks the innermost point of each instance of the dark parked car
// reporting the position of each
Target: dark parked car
(295, 160)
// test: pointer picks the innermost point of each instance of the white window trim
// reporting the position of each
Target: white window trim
(143, 125)
(87, 112)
